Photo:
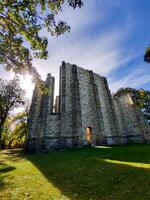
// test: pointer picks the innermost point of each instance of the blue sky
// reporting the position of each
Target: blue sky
(108, 37)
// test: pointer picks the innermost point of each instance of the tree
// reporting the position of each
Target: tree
(147, 55)
(143, 102)
(15, 130)
(20, 23)
(6, 131)
(11, 96)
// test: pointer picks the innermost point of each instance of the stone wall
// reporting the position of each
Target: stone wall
(110, 128)
(89, 106)
(69, 106)
(56, 107)
(34, 112)
(84, 103)
(52, 133)
(129, 117)
(31, 141)
(53, 126)
(41, 108)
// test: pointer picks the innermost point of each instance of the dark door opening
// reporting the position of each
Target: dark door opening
(88, 135)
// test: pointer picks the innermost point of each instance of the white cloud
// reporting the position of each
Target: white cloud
(135, 79)
(97, 49)
(101, 54)
(88, 15)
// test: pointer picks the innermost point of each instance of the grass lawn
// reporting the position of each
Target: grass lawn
(111, 173)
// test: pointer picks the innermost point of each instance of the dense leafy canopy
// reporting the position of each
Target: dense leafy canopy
(20, 24)
(143, 101)
(11, 96)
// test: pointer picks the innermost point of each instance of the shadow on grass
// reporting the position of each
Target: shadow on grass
(7, 169)
(4, 168)
(86, 174)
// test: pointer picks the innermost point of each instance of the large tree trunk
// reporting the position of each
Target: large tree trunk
(2, 144)
(10, 143)
(1, 129)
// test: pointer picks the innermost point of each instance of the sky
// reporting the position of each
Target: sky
(108, 37)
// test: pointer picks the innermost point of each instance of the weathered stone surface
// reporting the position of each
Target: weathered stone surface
(84, 103)
(132, 126)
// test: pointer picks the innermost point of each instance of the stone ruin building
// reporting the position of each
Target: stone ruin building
(84, 113)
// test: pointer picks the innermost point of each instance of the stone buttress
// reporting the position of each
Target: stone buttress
(40, 110)
(70, 113)
(131, 122)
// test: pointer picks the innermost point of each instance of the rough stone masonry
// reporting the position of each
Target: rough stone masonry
(85, 113)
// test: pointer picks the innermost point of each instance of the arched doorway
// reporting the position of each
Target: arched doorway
(88, 134)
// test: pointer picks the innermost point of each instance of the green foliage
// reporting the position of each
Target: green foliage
(102, 173)
(143, 101)
(18, 135)
(15, 130)
(6, 131)
(147, 55)
(11, 96)
(43, 88)
(20, 26)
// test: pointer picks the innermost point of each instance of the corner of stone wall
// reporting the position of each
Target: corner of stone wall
(129, 119)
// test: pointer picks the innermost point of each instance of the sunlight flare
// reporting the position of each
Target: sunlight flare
(132, 164)
(27, 85)
(102, 147)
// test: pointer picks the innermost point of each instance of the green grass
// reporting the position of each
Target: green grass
(114, 173)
